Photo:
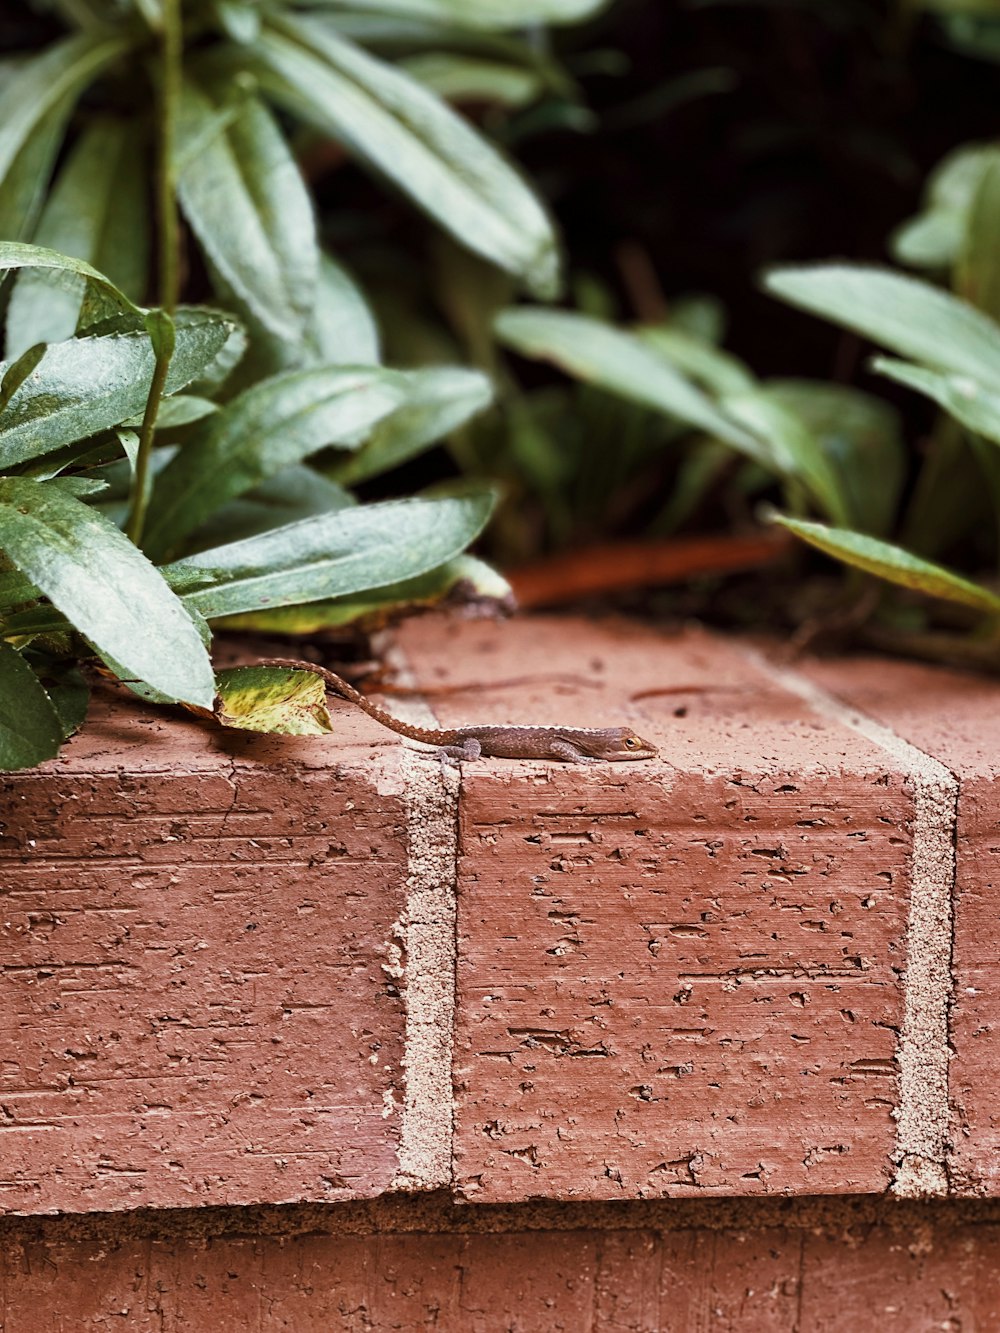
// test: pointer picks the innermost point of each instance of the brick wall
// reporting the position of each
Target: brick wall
(243, 972)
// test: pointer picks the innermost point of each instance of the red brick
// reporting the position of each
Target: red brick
(914, 1276)
(955, 717)
(194, 931)
(916, 1279)
(678, 977)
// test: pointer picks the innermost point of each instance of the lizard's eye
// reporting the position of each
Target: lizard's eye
(631, 742)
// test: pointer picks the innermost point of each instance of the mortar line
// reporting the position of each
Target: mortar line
(923, 1114)
(428, 927)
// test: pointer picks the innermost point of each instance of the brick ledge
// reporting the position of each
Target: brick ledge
(205, 937)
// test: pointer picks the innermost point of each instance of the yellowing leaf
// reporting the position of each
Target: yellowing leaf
(272, 699)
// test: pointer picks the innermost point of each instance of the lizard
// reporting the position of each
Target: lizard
(571, 745)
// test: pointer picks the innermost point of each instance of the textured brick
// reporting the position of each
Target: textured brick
(955, 717)
(917, 1278)
(678, 977)
(194, 930)
(914, 1280)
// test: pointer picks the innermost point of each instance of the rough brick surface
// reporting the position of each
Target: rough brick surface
(956, 717)
(194, 930)
(682, 976)
(914, 1279)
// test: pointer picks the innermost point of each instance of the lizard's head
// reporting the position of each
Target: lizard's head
(623, 743)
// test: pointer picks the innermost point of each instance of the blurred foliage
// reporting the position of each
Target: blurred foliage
(723, 139)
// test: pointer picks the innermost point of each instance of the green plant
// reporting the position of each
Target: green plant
(223, 441)
(947, 349)
(830, 449)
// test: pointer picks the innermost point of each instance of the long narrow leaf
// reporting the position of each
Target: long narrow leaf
(621, 363)
(330, 556)
(30, 729)
(89, 384)
(439, 399)
(343, 331)
(64, 269)
(793, 446)
(26, 180)
(413, 138)
(966, 399)
(495, 15)
(861, 436)
(97, 212)
(893, 563)
(242, 193)
(51, 82)
(288, 497)
(465, 577)
(270, 427)
(105, 587)
(907, 316)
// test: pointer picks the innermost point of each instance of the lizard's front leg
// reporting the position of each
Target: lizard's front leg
(560, 748)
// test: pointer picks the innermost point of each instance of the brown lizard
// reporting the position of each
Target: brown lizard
(572, 745)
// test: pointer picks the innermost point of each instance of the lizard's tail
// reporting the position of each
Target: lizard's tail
(340, 686)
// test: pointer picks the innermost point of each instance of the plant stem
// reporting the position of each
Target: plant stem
(166, 184)
(140, 483)
(168, 257)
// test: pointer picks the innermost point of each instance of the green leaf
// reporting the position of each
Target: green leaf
(64, 271)
(239, 20)
(17, 372)
(70, 694)
(90, 384)
(860, 435)
(718, 371)
(104, 586)
(15, 589)
(30, 730)
(933, 239)
(892, 563)
(622, 364)
(24, 184)
(182, 410)
(438, 400)
(461, 78)
(330, 556)
(949, 500)
(464, 579)
(97, 211)
(272, 699)
(343, 331)
(40, 96)
(218, 371)
(270, 427)
(244, 197)
(964, 398)
(289, 496)
(416, 140)
(490, 14)
(904, 314)
(977, 273)
(793, 447)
